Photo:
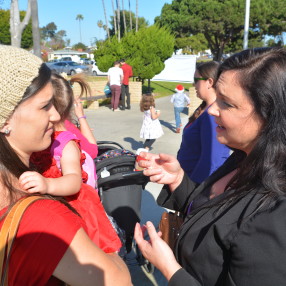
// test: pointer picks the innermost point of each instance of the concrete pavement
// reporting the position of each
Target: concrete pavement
(124, 127)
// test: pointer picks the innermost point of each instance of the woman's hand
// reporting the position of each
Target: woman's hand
(156, 250)
(162, 169)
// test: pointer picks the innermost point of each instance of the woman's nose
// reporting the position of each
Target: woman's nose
(213, 109)
(55, 116)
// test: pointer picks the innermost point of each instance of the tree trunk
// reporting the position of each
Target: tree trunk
(118, 20)
(16, 26)
(124, 19)
(106, 21)
(136, 16)
(35, 28)
(130, 17)
(114, 18)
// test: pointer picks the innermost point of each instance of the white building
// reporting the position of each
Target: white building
(68, 53)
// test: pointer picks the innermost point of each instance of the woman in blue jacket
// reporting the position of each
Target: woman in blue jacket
(200, 153)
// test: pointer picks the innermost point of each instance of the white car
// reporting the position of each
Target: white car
(95, 70)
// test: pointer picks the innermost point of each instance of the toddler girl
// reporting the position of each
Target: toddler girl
(62, 173)
(151, 128)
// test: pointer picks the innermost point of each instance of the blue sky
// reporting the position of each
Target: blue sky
(63, 13)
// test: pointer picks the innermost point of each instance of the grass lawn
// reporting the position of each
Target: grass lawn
(163, 88)
(158, 88)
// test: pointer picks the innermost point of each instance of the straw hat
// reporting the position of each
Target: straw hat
(18, 68)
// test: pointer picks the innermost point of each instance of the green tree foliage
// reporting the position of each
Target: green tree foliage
(142, 23)
(5, 36)
(108, 52)
(145, 51)
(79, 46)
(53, 38)
(192, 44)
(222, 21)
(48, 31)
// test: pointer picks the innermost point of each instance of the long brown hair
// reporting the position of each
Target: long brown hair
(11, 165)
(63, 93)
(146, 102)
(206, 70)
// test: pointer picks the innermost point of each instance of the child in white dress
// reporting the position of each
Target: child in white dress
(151, 128)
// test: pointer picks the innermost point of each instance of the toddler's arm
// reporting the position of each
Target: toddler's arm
(84, 127)
(33, 182)
(68, 184)
(154, 114)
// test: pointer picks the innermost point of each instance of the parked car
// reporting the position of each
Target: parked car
(68, 67)
(86, 61)
(95, 70)
(64, 59)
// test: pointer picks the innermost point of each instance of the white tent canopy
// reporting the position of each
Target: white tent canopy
(178, 68)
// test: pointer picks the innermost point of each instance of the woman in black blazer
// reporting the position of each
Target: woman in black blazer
(234, 231)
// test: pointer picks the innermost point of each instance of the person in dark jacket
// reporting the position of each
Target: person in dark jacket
(234, 229)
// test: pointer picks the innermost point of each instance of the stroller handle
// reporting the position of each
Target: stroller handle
(128, 178)
(109, 142)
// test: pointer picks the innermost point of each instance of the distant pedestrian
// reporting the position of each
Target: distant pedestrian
(180, 100)
(127, 73)
(151, 128)
(115, 78)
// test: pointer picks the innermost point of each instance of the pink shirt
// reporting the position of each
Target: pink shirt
(89, 148)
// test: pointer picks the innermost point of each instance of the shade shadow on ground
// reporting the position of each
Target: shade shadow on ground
(134, 144)
(168, 125)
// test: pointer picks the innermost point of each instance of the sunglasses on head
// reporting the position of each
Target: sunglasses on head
(196, 79)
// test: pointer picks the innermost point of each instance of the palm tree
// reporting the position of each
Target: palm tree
(100, 25)
(130, 16)
(106, 21)
(136, 15)
(124, 19)
(79, 18)
(118, 19)
(114, 17)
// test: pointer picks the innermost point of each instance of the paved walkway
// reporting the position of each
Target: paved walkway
(123, 127)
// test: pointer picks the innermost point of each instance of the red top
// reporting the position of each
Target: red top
(86, 202)
(46, 230)
(89, 148)
(127, 73)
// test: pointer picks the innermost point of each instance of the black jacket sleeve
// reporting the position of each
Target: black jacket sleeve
(178, 199)
(183, 278)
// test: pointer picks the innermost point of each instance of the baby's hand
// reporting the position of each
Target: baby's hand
(33, 182)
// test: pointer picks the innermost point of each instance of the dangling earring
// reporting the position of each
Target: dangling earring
(7, 131)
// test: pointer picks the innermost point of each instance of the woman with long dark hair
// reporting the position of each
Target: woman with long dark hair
(51, 246)
(236, 233)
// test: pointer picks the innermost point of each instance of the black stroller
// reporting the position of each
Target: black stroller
(120, 189)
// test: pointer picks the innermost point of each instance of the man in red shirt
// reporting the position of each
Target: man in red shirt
(127, 73)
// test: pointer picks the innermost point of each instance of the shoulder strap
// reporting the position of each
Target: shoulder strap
(8, 233)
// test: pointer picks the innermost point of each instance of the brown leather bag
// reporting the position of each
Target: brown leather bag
(8, 233)
(170, 225)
